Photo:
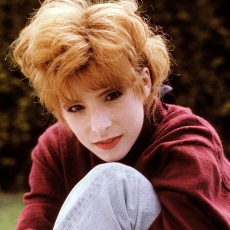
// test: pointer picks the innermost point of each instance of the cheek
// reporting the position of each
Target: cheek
(80, 132)
(133, 115)
(77, 126)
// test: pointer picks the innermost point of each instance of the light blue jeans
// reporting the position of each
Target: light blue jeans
(112, 196)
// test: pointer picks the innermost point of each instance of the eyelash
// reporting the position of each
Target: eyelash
(113, 96)
(110, 97)
(75, 108)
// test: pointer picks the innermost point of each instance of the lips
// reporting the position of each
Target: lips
(108, 143)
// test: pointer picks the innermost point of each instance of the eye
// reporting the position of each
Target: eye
(75, 108)
(112, 96)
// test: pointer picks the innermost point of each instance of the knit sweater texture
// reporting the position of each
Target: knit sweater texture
(179, 153)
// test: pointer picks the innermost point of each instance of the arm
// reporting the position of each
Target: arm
(191, 176)
(191, 195)
(47, 186)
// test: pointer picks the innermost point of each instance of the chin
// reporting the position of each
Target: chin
(111, 158)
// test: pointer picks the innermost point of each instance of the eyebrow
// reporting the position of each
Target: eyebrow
(106, 91)
(101, 94)
(68, 103)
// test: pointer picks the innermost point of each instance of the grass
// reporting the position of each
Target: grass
(10, 208)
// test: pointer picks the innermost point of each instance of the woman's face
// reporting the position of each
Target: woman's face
(108, 121)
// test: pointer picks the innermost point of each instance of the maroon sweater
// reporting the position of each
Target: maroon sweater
(182, 156)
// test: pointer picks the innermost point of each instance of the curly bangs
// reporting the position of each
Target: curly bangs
(97, 45)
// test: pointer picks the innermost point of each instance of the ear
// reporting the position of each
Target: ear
(145, 76)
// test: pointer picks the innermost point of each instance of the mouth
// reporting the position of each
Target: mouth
(108, 143)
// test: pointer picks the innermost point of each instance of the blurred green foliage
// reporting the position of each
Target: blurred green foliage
(21, 121)
(10, 207)
(199, 32)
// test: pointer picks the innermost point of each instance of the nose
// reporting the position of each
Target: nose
(100, 122)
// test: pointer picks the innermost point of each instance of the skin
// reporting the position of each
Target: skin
(108, 121)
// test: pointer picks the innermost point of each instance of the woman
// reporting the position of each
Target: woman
(118, 158)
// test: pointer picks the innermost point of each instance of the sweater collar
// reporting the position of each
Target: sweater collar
(140, 144)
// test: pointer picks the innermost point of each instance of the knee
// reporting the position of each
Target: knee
(109, 166)
(115, 169)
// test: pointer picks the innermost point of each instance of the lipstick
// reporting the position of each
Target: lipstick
(108, 143)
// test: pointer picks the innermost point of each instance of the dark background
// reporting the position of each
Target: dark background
(199, 31)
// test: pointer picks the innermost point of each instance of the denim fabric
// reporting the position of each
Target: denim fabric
(112, 196)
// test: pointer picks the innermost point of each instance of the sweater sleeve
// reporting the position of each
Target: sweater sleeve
(191, 178)
(46, 182)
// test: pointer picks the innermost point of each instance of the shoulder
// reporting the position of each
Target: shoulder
(182, 120)
(182, 138)
(55, 131)
(182, 134)
(186, 165)
(56, 135)
(175, 114)
(57, 141)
